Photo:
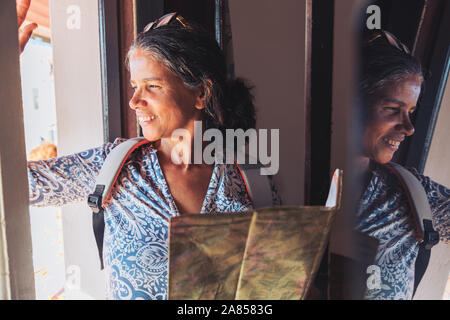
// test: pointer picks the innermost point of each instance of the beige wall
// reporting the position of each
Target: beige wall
(269, 40)
(438, 168)
(80, 126)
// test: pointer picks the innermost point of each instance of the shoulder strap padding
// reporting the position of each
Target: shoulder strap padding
(258, 185)
(113, 164)
(417, 197)
(420, 207)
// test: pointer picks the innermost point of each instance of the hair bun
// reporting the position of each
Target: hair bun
(240, 107)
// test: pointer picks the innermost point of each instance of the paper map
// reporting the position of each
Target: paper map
(272, 253)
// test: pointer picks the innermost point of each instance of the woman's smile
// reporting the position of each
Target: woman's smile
(145, 120)
(393, 143)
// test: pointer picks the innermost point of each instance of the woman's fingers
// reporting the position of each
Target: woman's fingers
(25, 35)
(22, 7)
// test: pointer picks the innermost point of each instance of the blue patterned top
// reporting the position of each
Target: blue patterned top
(384, 214)
(135, 249)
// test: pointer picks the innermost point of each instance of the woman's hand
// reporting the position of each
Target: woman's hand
(24, 33)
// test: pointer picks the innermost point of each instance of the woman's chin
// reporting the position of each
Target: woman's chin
(384, 158)
(151, 136)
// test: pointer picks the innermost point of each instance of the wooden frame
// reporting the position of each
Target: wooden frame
(320, 109)
(16, 258)
(429, 105)
(111, 64)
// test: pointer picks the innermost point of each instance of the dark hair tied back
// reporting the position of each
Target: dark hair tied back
(241, 111)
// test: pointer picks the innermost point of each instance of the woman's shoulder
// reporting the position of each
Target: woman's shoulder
(431, 187)
(136, 144)
(386, 174)
(241, 178)
(439, 199)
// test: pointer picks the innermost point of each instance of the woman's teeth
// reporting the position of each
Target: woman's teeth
(148, 118)
(392, 142)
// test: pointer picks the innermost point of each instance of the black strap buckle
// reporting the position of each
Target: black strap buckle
(95, 199)
(431, 236)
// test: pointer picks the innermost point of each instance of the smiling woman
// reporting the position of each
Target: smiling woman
(389, 118)
(391, 82)
(179, 76)
(161, 100)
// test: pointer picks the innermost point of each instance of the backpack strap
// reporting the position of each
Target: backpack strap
(103, 184)
(258, 185)
(421, 212)
(418, 201)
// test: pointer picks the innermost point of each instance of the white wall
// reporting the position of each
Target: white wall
(38, 94)
(269, 41)
(80, 126)
(438, 168)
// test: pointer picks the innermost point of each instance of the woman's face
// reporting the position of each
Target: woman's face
(161, 100)
(389, 119)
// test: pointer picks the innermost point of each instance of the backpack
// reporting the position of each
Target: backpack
(258, 186)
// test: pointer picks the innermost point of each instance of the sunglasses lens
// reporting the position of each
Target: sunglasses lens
(396, 43)
(166, 19)
(149, 26)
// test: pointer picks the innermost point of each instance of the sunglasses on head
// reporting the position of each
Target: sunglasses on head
(393, 40)
(166, 20)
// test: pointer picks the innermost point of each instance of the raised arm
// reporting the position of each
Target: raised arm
(65, 180)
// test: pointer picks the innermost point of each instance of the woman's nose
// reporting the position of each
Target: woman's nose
(406, 125)
(137, 101)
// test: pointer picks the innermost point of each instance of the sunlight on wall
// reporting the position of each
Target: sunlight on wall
(40, 124)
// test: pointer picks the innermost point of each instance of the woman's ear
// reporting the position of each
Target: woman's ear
(203, 95)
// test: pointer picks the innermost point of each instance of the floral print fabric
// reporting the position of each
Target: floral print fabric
(384, 214)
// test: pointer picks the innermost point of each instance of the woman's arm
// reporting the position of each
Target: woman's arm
(68, 179)
(439, 199)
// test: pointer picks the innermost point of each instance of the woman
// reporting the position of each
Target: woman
(179, 77)
(391, 83)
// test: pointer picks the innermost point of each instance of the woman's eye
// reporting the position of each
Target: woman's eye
(391, 109)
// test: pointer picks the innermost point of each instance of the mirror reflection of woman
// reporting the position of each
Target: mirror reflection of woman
(391, 83)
